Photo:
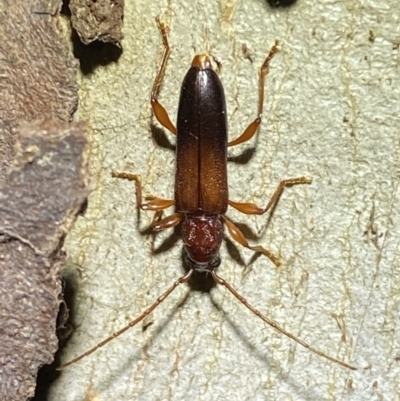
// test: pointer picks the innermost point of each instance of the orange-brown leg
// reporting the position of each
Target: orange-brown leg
(156, 204)
(168, 222)
(250, 131)
(158, 109)
(251, 208)
(238, 236)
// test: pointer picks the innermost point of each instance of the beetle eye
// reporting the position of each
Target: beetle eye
(215, 262)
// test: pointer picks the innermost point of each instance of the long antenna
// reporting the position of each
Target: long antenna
(275, 325)
(183, 279)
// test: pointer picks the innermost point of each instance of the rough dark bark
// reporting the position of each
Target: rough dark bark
(37, 70)
(43, 184)
(98, 20)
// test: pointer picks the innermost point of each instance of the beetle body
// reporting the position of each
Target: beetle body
(201, 188)
(201, 185)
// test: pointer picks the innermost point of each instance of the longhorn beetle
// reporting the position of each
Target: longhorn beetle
(201, 185)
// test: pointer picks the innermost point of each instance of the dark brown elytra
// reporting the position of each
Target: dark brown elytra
(201, 187)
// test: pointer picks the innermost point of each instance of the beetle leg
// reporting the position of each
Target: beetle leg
(251, 208)
(168, 222)
(252, 128)
(158, 109)
(238, 236)
(162, 115)
(248, 133)
(156, 204)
